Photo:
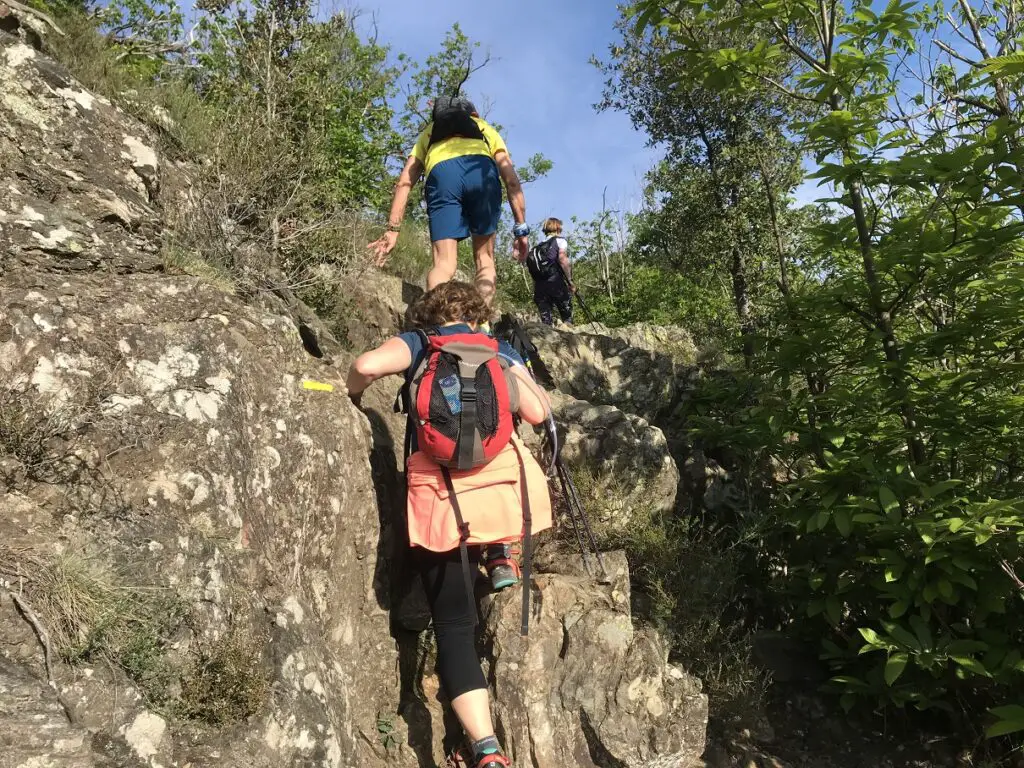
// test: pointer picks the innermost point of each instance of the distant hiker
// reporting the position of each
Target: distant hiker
(548, 264)
(464, 161)
(466, 471)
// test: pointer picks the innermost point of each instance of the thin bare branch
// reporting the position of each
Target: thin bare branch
(1008, 570)
(37, 626)
(972, 21)
(974, 102)
(955, 53)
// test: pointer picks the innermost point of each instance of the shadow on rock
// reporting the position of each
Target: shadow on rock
(598, 752)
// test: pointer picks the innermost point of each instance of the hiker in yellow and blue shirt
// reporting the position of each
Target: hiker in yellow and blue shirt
(464, 161)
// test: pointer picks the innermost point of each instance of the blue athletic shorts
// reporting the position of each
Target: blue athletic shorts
(463, 197)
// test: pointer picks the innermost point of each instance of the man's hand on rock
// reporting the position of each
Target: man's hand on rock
(382, 247)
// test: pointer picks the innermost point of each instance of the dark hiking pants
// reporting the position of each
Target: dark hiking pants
(547, 298)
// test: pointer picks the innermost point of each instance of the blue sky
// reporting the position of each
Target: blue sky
(541, 88)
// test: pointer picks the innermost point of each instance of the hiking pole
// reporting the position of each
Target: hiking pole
(571, 511)
(556, 449)
(584, 307)
(577, 513)
(583, 304)
(574, 497)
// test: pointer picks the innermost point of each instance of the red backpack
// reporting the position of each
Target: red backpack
(461, 400)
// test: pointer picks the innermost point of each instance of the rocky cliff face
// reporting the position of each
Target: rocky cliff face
(200, 543)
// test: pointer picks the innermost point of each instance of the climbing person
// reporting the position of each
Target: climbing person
(471, 483)
(465, 162)
(548, 264)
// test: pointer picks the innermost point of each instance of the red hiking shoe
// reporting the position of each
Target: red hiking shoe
(496, 760)
(460, 759)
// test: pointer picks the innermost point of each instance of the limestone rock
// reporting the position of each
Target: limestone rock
(587, 688)
(604, 370)
(707, 480)
(662, 339)
(373, 309)
(34, 729)
(210, 469)
(80, 175)
(627, 456)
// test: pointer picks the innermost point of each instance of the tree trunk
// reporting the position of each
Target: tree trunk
(737, 260)
(738, 270)
(882, 319)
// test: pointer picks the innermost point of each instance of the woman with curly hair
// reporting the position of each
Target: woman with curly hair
(445, 553)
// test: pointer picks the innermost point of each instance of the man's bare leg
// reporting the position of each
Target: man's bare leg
(446, 261)
(486, 275)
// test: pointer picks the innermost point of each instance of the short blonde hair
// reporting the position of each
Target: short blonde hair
(552, 226)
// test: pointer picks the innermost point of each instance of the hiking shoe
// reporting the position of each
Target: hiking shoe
(503, 576)
(501, 567)
(497, 760)
(461, 759)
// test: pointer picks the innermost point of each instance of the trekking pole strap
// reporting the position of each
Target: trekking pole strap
(527, 540)
(463, 549)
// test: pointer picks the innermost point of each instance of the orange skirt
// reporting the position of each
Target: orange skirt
(490, 499)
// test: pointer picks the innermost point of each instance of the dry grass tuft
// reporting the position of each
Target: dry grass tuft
(227, 680)
(179, 260)
(90, 615)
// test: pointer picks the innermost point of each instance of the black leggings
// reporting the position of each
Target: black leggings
(454, 626)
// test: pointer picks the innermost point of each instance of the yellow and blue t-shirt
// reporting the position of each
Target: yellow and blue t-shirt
(456, 146)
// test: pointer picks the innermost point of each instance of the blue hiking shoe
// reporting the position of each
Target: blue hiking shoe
(501, 566)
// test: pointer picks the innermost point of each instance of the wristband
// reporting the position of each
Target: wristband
(392, 227)
(521, 230)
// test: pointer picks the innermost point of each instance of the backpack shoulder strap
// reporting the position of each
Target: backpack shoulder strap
(400, 403)
(483, 133)
(403, 402)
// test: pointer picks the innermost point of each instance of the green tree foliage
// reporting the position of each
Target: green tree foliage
(889, 383)
(312, 88)
(300, 117)
(705, 223)
(443, 73)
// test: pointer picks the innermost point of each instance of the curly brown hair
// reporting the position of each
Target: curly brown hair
(450, 302)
